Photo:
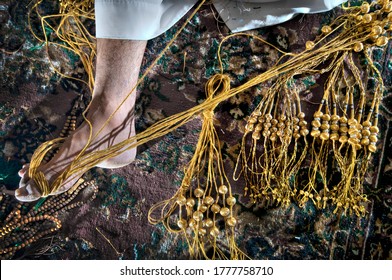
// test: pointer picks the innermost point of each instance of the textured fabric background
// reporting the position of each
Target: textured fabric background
(34, 102)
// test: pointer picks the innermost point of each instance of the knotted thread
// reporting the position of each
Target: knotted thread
(205, 197)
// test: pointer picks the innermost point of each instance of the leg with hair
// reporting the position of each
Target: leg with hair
(117, 71)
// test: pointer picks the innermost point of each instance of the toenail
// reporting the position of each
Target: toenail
(21, 192)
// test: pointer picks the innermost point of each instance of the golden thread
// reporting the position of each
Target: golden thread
(205, 195)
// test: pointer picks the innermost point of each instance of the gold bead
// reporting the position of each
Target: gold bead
(373, 138)
(367, 124)
(374, 38)
(231, 200)
(273, 137)
(309, 45)
(372, 148)
(304, 132)
(326, 29)
(249, 127)
(259, 127)
(256, 135)
(367, 18)
(365, 133)
(202, 231)
(365, 8)
(388, 7)
(335, 118)
(252, 120)
(315, 133)
(288, 131)
(266, 133)
(203, 208)
(389, 17)
(352, 131)
(303, 123)
(334, 127)
(223, 189)
(326, 117)
(352, 122)
(377, 30)
(268, 117)
(182, 224)
(274, 122)
(318, 114)
(214, 231)
(334, 137)
(256, 114)
(215, 208)
(192, 223)
(343, 139)
(208, 200)
(358, 46)
(343, 129)
(382, 41)
(197, 216)
(224, 211)
(324, 126)
(365, 141)
(324, 136)
(316, 123)
(353, 141)
(209, 223)
(231, 222)
(190, 202)
(374, 129)
(301, 115)
(198, 192)
(343, 120)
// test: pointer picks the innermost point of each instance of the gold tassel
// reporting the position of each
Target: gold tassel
(205, 196)
(342, 125)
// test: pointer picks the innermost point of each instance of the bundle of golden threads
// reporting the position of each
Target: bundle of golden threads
(269, 164)
(278, 133)
(205, 197)
(343, 125)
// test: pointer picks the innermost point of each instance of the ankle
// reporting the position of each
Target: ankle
(111, 100)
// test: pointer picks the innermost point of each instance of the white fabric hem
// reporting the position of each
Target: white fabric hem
(146, 19)
(138, 19)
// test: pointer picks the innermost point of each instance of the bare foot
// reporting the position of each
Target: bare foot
(120, 127)
(117, 72)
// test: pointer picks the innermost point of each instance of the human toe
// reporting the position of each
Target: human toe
(27, 193)
(23, 170)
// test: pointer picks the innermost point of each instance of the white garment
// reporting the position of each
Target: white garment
(146, 19)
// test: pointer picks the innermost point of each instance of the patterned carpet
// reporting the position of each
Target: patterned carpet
(34, 102)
